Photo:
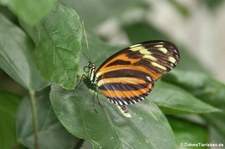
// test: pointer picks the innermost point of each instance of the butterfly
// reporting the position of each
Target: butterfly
(128, 76)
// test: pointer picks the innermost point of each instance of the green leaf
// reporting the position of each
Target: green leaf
(187, 133)
(16, 57)
(8, 106)
(58, 41)
(30, 11)
(200, 85)
(107, 127)
(50, 131)
(174, 100)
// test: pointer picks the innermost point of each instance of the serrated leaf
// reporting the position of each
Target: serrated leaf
(30, 11)
(8, 106)
(58, 41)
(50, 131)
(16, 57)
(108, 128)
(173, 99)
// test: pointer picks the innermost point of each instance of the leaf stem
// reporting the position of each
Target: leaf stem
(34, 119)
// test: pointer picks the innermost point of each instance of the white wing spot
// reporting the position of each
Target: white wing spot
(171, 59)
(120, 103)
(142, 98)
(158, 65)
(164, 50)
(145, 52)
(158, 46)
(134, 101)
(136, 47)
(150, 57)
(125, 102)
(113, 101)
(138, 100)
(148, 78)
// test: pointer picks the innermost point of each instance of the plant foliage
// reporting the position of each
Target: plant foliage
(40, 49)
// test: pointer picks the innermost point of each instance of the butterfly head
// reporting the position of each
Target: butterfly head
(90, 69)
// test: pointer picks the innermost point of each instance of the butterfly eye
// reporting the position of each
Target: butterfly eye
(86, 69)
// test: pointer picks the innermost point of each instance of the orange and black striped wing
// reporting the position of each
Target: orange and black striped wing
(129, 75)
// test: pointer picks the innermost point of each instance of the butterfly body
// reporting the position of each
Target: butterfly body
(129, 75)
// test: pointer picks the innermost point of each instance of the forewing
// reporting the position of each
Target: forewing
(129, 75)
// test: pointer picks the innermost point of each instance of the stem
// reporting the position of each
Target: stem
(34, 119)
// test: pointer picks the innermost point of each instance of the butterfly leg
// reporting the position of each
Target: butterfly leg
(93, 97)
(99, 101)
(82, 78)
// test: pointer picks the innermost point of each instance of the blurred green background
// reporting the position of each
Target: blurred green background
(191, 99)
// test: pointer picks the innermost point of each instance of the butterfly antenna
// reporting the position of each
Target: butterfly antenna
(86, 41)
(86, 56)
